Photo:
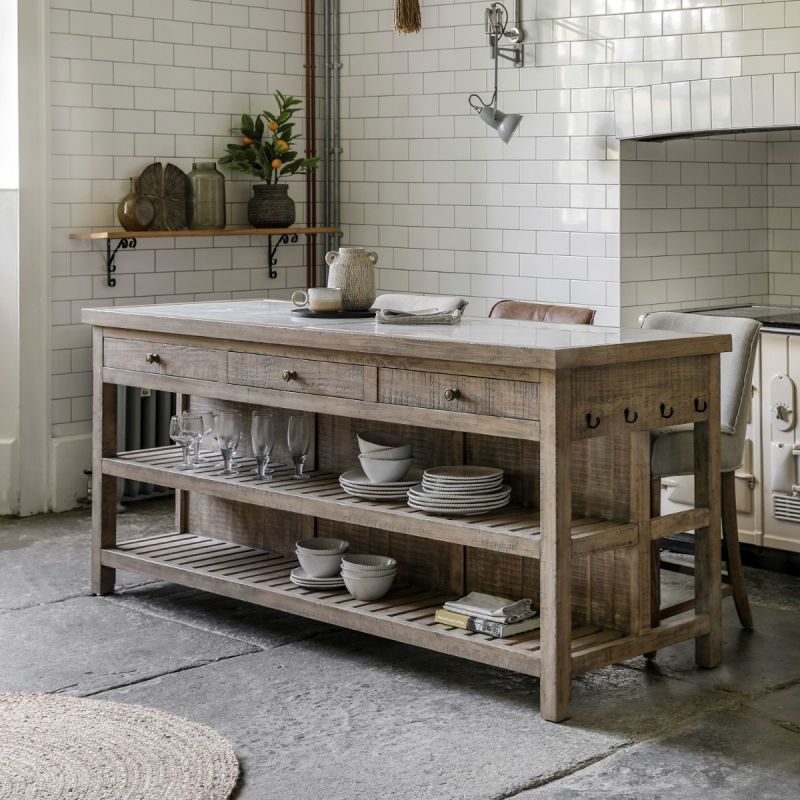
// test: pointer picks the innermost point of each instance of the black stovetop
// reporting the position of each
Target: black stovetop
(777, 317)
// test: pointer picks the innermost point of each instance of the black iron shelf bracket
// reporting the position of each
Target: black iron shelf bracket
(111, 267)
(284, 238)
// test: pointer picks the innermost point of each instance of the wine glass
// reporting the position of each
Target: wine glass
(208, 428)
(183, 437)
(299, 440)
(194, 426)
(262, 438)
(228, 432)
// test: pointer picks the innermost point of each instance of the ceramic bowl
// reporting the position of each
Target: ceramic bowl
(368, 588)
(368, 561)
(391, 453)
(323, 546)
(384, 471)
(375, 440)
(318, 565)
(368, 573)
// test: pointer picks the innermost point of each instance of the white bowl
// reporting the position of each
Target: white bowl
(320, 565)
(375, 440)
(391, 453)
(368, 561)
(383, 471)
(368, 588)
(372, 573)
(323, 546)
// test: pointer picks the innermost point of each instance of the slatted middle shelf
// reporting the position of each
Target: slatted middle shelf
(512, 529)
(406, 614)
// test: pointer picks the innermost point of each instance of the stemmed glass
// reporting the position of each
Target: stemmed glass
(228, 432)
(185, 430)
(208, 428)
(299, 440)
(262, 438)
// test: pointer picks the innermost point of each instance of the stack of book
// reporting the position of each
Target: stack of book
(498, 617)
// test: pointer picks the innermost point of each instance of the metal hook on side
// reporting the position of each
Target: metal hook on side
(589, 421)
(628, 417)
(664, 414)
(697, 407)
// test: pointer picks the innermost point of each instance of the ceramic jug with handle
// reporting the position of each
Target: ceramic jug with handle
(352, 269)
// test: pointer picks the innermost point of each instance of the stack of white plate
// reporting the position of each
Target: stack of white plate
(460, 490)
(356, 483)
(299, 577)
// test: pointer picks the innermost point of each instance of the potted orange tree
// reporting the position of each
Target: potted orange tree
(266, 151)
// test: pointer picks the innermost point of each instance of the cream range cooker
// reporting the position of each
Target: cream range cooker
(768, 482)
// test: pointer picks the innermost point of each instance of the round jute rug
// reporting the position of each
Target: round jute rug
(54, 747)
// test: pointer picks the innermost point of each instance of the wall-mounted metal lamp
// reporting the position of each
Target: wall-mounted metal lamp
(497, 30)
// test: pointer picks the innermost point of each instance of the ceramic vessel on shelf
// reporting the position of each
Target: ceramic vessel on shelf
(206, 201)
(270, 206)
(135, 211)
(352, 269)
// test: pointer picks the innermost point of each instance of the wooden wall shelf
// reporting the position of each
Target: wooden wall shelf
(127, 240)
(103, 235)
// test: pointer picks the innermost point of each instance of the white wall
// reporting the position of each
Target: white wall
(449, 208)
(9, 354)
(136, 81)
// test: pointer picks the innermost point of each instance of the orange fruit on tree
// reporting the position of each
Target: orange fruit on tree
(276, 163)
(273, 126)
(246, 140)
(282, 145)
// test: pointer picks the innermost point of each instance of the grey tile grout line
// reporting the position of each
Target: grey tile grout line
(65, 598)
(115, 598)
(198, 665)
(732, 701)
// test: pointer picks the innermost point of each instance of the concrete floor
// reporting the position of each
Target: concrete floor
(316, 712)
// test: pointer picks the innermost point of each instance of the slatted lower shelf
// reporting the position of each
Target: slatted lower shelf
(406, 614)
(509, 530)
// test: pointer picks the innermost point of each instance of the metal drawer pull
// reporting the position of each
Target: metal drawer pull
(697, 406)
(152, 358)
(664, 411)
(589, 423)
(451, 394)
(289, 375)
(629, 418)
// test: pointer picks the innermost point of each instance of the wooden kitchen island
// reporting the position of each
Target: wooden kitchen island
(567, 411)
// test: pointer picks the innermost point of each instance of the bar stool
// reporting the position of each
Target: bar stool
(541, 312)
(673, 448)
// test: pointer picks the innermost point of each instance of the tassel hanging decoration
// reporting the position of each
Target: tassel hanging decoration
(407, 17)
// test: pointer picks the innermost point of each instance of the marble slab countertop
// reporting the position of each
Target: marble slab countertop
(499, 341)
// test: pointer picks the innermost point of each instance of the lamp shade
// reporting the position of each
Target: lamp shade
(504, 124)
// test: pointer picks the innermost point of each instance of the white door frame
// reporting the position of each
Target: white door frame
(34, 257)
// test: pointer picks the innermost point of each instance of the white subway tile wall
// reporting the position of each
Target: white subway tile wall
(710, 220)
(448, 207)
(137, 81)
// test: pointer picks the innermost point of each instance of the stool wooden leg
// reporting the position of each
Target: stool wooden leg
(730, 533)
(655, 562)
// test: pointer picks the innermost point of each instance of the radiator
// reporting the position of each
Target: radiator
(143, 417)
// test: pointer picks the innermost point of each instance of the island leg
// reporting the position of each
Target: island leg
(707, 570)
(556, 550)
(104, 487)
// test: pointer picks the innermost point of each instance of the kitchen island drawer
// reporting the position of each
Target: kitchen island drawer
(180, 361)
(470, 395)
(327, 378)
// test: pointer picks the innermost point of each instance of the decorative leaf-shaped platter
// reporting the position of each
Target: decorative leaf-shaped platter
(166, 188)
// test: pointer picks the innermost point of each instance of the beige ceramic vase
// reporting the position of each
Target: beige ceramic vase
(352, 270)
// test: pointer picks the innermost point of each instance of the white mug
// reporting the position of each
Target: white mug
(319, 299)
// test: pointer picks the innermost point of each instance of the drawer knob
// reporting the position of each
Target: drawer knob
(451, 394)
(289, 375)
(152, 358)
